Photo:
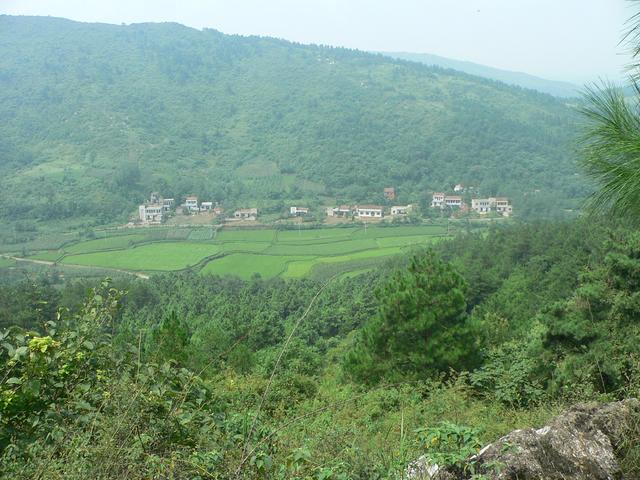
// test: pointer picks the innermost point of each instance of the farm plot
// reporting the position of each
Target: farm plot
(6, 262)
(322, 234)
(155, 256)
(270, 253)
(48, 256)
(200, 234)
(302, 268)
(245, 266)
(244, 247)
(404, 231)
(245, 236)
(315, 249)
(385, 242)
(108, 243)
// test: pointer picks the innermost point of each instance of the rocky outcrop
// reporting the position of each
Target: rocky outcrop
(584, 443)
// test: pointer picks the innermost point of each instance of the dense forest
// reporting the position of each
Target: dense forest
(93, 117)
(183, 376)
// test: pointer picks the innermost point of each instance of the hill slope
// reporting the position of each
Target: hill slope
(524, 80)
(94, 116)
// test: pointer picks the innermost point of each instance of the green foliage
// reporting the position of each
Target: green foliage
(168, 340)
(509, 375)
(48, 377)
(420, 328)
(592, 336)
(448, 444)
(612, 151)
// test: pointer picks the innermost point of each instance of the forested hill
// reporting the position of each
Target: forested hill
(94, 116)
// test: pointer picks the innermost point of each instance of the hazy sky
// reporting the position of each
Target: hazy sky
(575, 40)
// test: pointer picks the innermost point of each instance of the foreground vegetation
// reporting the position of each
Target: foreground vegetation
(191, 376)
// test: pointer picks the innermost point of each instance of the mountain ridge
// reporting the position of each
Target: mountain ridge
(556, 88)
(94, 116)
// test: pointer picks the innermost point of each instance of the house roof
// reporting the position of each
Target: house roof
(452, 197)
(370, 207)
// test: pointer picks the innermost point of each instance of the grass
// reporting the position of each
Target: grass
(406, 241)
(245, 266)
(316, 249)
(246, 247)
(6, 262)
(269, 253)
(109, 243)
(155, 256)
(302, 268)
(245, 236)
(325, 234)
(48, 256)
(379, 232)
(200, 234)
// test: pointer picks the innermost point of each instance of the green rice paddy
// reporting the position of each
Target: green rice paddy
(6, 262)
(245, 253)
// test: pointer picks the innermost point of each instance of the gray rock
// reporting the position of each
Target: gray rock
(581, 444)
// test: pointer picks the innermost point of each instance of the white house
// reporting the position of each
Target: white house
(298, 211)
(500, 205)
(503, 206)
(401, 210)
(191, 203)
(459, 188)
(453, 201)
(206, 206)
(440, 200)
(150, 213)
(369, 211)
(481, 205)
(168, 203)
(341, 211)
(437, 200)
(246, 214)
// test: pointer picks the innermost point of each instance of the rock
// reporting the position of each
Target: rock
(581, 444)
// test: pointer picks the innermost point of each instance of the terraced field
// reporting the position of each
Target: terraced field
(245, 253)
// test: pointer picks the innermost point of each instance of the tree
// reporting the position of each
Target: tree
(611, 144)
(420, 328)
(169, 340)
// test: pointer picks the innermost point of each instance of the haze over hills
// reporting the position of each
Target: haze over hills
(524, 80)
(94, 116)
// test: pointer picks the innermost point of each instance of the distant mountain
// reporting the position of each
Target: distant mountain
(552, 87)
(93, 117)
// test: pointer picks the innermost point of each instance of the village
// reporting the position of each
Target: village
(158, 209)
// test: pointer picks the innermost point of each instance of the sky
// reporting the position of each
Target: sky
(571, 40)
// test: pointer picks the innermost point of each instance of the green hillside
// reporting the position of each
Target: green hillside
(94, 116)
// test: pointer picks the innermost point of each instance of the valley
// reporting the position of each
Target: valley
(264, 252)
